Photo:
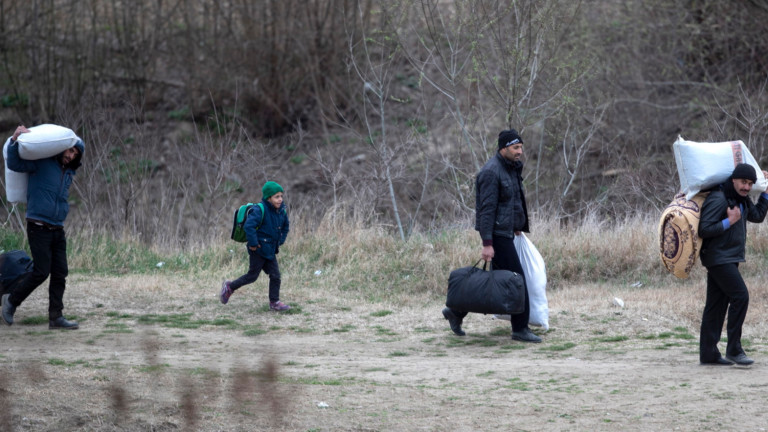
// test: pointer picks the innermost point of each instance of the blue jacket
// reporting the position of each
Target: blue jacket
(268, 237)
(48, 184)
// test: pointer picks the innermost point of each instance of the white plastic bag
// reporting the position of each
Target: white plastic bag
(45, 140)
(703, 165)
(15, 182)
(535, 280)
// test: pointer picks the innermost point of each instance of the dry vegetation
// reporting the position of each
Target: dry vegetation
(375, 116)
(365, 347)
(382, 110)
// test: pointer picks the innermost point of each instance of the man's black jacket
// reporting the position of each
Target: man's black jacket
(500, 201)
(725, 246)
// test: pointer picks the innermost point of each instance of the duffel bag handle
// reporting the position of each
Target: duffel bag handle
(485, 264)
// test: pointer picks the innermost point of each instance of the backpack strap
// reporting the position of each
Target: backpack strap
(261, 207)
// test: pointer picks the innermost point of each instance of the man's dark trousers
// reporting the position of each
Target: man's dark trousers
(49, 255)
(724, 286)
(505, 258)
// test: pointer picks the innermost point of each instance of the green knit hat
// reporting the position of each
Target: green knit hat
(270, 188)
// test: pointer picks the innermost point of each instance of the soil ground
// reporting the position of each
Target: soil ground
(157, 354)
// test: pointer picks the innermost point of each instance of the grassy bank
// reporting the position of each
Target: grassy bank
(371, 261)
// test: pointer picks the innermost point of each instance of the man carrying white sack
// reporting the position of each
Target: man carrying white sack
(47, 208)
(723, 228)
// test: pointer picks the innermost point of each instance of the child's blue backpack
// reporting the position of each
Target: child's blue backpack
(238, 224)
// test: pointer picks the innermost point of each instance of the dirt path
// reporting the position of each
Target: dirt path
(353, 368)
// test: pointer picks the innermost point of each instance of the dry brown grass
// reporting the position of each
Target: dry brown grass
(157, 351)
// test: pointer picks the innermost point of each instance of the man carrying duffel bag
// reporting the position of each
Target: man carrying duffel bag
(501, 214)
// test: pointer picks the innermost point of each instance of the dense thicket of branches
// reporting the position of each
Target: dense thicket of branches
(379, 109)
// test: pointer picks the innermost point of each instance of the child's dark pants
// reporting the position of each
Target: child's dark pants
(257, 263)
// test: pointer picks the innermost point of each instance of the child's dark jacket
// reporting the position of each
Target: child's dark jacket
(268, 237)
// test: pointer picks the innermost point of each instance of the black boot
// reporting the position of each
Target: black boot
(454, 321)
(7, 309)
(61, 323)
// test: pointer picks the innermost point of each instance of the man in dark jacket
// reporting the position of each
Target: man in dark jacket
(500, 215)
(723, 229)
(47, 208)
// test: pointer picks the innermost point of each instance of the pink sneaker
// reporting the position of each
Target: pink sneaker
(278, 306)
(226, 292)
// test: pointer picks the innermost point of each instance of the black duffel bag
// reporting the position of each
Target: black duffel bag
(13, 265)
(473, 289)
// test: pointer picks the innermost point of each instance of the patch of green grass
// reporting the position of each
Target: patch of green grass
(61, 362)
(183, 321)
(153, 368)
(375, 369)
(344, 329)
(383, 331)
(298, 159)
(516, 384)
(500, 331)
(253, 330)
(182, 113)
(617, 338)
(471, 340)
(313, 381)
(201, 371)
(34, 320)
(558, 347)
(14, 100)
(229, 322)
(398, 354)
(116, 314)
(113, 327)
(484, 342)
(381, 313)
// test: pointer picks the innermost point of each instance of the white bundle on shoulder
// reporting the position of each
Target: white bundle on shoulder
(40, 142)
(45, 140)
(702, 165)
(15, 182)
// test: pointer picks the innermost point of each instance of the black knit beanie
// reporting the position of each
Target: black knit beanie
(744, 171)
(508, 138)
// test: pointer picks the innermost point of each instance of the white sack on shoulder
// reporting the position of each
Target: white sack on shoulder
(45, 140)
(15, 182)
(535, 273)
(703, 165)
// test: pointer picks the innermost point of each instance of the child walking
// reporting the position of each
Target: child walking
(265, 233)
